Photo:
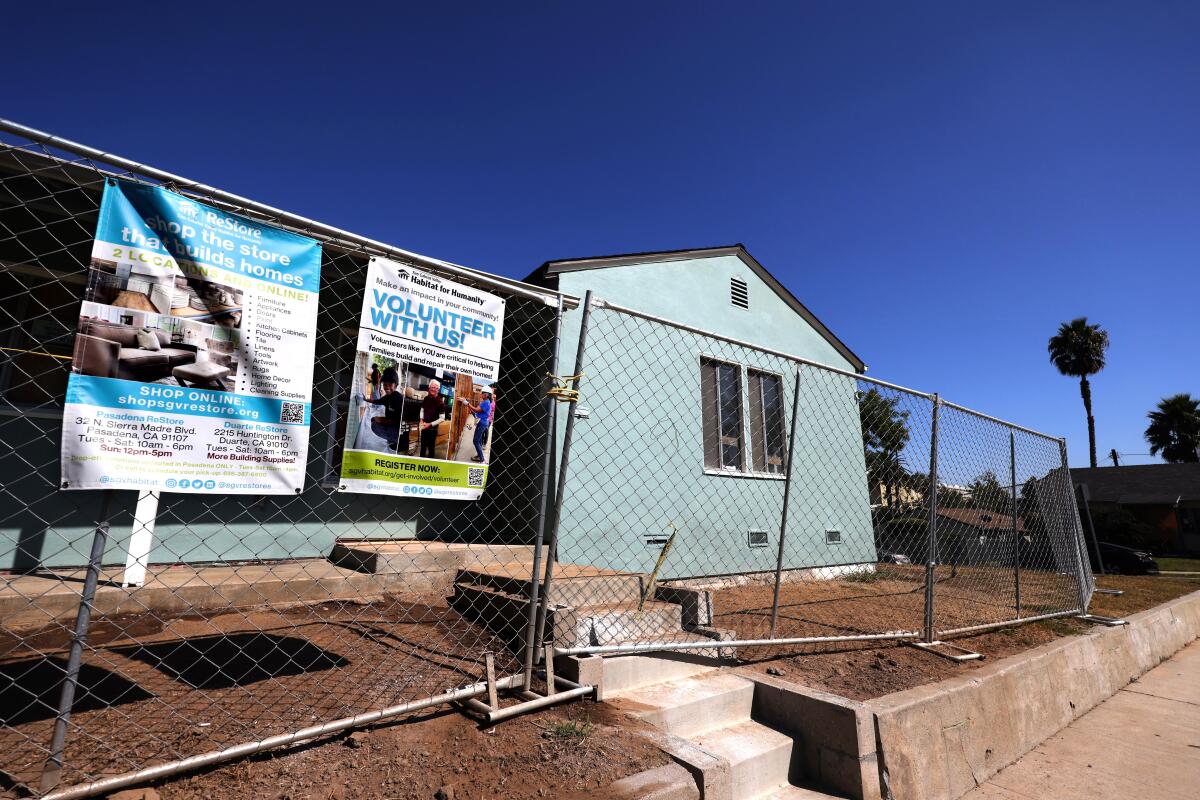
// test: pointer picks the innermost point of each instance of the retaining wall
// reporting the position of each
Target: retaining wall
(942, 740)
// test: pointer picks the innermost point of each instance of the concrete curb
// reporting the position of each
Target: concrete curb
(670, 782)
(944, 739)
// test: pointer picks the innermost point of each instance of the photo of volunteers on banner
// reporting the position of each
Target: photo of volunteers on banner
(424, 394)
(192, 369)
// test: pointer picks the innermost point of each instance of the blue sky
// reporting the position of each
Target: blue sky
(942, 183)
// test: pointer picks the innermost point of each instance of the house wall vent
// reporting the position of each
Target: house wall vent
(833, 537)
(739, 293)
(756, 539)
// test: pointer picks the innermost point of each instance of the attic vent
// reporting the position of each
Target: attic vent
(756, 538)
(739, 294)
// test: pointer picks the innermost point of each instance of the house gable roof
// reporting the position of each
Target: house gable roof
(546, 275)
(1141, 484)
(981, 518)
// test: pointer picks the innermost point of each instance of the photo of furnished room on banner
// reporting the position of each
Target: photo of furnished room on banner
(424, 394)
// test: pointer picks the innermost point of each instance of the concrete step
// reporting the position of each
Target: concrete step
(656, 620)
(507, 614)
(798, 793)
(691, 706)
(622, 673)
(573, 585)
(759, 757)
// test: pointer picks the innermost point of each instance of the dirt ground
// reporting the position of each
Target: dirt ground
(155, 688)
(862, 671)
(571, 752)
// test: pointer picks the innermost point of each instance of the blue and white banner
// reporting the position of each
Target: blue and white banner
(193, 361)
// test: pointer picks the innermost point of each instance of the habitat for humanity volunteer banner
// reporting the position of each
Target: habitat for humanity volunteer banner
(423, 400)
(193, 357)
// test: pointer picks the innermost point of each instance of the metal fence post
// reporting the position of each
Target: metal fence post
(568, 433)
(1083, 501)
(52, 770)
(1076, 531)
(787, 487)
(1012, 466)
(535, 575)
(931, 545)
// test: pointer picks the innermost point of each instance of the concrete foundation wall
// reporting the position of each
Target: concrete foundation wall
(940, 741)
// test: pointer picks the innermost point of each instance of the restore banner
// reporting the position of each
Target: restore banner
(423, 398)
(192, 369)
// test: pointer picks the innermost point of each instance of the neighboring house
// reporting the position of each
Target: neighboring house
(690, 431)
(965, 536)
(977, 536)
(885, 495)
(1164, 497)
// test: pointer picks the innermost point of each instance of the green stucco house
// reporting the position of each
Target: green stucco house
(683, 428)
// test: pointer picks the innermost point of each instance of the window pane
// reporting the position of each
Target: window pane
(773, 422)
(758, 431)
(721, 414)
(708, 415)
(729, 388)
(767, 429)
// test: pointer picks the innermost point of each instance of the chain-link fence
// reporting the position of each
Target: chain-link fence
(721, 494)
(698, 494)
(258, 616)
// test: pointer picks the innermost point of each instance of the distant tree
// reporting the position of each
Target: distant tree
(1077, 350)
(885, 435)
(952, 498)
(1174, 429)
(987, 492)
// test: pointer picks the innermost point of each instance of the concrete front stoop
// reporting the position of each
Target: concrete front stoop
(587, 606)
(710, 725)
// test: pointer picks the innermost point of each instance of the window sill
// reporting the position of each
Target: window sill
(762, 476)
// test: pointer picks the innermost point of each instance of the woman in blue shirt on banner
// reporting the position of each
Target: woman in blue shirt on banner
(484, 413)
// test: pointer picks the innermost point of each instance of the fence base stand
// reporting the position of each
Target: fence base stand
(1111, 622)
(1116, 592)
(536, 702)
(947, 650)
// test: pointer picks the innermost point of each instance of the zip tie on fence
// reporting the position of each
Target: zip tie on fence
(563, 390)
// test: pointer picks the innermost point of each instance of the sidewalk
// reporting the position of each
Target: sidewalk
(1142, 743)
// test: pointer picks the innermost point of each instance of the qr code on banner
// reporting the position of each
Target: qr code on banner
(475, 476)
(292, 412)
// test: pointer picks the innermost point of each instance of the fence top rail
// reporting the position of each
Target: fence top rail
(600, 302)
(999, 421)
(547, 296)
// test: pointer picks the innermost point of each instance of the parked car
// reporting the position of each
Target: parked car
(886, 557)
(1120, 560)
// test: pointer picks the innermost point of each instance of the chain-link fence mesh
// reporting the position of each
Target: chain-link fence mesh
(259, 615)
(717, 495)
(722, 492)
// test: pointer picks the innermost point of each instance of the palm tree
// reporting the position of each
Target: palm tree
(1174, 429)
(1078, 351)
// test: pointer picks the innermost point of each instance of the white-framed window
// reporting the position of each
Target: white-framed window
(768, 434)
(741, 438)
(721, 413)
